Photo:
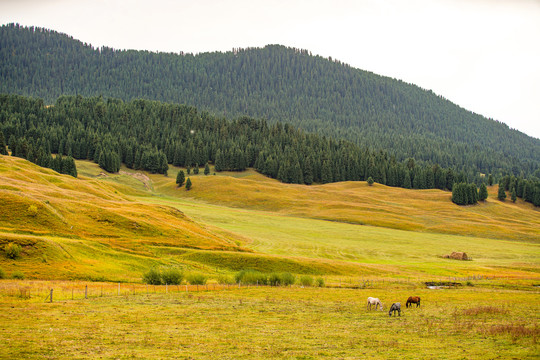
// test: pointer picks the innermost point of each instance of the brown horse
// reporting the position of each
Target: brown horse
(413, 300)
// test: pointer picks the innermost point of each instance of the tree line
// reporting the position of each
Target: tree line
(150, 135)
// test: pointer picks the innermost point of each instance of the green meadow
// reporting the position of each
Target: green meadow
(101, 230)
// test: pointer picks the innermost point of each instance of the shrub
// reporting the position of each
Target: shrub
(172, 276)
(306, 280)
(152, 277)
(251, 277)
(287, 278)
(320, 282)
(2, 274)
(277, 279)
(370, 181)
(225, 279)
(17, 275)
(32, 210)
(12, 250)
(196, 278)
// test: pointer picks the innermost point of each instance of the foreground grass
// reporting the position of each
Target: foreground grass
(269, 323)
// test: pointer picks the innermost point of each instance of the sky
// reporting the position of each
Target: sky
(483, 55)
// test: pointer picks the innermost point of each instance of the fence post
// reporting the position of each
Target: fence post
(186, 288)
(51, 294)
(86, 292)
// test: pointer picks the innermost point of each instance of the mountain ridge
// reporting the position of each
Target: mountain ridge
(276, 83)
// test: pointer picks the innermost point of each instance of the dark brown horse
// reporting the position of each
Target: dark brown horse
(413, 300)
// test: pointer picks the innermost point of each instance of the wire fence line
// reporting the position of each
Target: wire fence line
(57, 290)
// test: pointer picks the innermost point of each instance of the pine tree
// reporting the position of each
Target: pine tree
(483, 193)
(370, 181)
(501, 195)
(180, 178)
(490, 180)
(3, 150)
(188, 184)
(206, 169)
(196, 169)
(513, 195)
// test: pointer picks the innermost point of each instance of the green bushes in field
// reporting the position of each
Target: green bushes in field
(196, 278)
(17, 275)
(169, 276)
(152, 277)
(172, 276)
(251, 277)
(281, 279)
(306, 280)
(320, 282)
(225, 279)
(12, 250)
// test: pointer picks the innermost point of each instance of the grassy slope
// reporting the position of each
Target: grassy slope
(85, 223)
(121, 227)
(357, 203)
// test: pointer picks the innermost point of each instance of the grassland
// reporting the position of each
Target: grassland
(364, 241)
(276, 323)
(114, 226)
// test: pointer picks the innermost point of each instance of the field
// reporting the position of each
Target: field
(104, 229)
(277, 323)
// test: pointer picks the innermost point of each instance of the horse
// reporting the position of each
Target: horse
(395, 307)
(374, 301)
(413, 300)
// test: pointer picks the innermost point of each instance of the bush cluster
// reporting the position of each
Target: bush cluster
(12, 250)
(253, 277)
(196, 278)
(169, 276)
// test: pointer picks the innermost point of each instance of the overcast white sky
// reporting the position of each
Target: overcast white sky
(483, 55)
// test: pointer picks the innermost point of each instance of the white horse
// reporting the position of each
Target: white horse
(374, 301)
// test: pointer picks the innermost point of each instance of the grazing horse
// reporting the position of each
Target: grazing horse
(395, 307)
(413, 300)
(374, 301)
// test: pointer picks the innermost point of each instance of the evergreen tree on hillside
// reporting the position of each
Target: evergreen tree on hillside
(513, 195)
(180, 178)
(501, 195)
(3, 150)
(188, 184)
(483, 193)
(206, 169)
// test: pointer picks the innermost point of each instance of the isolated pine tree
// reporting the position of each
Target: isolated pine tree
(188, 184)
(180, 178)
(370, 181)
(206, 169)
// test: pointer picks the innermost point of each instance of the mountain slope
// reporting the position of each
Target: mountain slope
(278, 83)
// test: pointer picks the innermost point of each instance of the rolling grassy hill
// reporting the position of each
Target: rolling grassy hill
(115, 226)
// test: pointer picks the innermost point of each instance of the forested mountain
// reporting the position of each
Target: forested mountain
(149, 135)
(279, 84)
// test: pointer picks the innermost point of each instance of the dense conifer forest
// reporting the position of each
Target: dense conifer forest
(394, 120)
(150, 135)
